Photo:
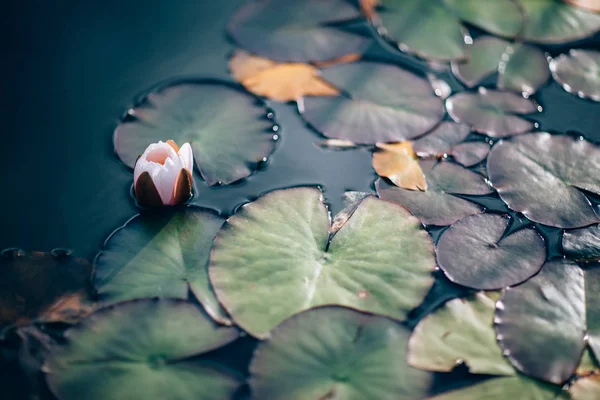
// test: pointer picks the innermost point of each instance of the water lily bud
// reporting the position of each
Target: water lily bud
(163, 174)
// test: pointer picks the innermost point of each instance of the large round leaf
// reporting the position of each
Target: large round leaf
(385, 104)
(500, 17)
(578, 73)
(336, 353)
(438, 205)
(543, 175)
(592, 301)
(491, 112)
(228, 129)
(524, 69)
(136, 350)
(583, 243)
(462, 331)
(296, 30)
(273, 259)
(541, 324)
(484, 57)
(160, 255)
(475, 252)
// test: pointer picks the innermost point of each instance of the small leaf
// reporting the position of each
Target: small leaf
(470, 153)
(484, 57)
(399, 163)
(523, 69)
(578, 73)
(441, 140)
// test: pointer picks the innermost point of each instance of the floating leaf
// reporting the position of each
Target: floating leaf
(578, 73)
(511, 387)
(549, 311)
(438, 205)
(524, 69)
(500, 17)
(137, 350)
(385, 104)
(160, 255)
(399, 163)
(592, 299)
(334, 352)
(278, 81)
(542, 175)
(582, 244)
(228, 129)
(475, 252)
(296, 30)
(441, 140)
(470, 153)
(460, 331)
(485, 56)
(491, 112)
(273, 259)
(43, 287)
(587, 388)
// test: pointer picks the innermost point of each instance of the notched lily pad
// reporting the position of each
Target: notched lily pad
(439, 205)
(493, 113)
(138, 350)
(274, 258)
(475, 252)
(228, 129)
(381, 103)
(582, 244)
(161, 255)
(335, 352)
(578, 73)
(296, 30)
(543, 175)
(549, 311)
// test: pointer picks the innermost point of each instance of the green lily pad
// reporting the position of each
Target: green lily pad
(543, 175)
(336, 353)
(511, 387)
(470, 153)
(227, 128)
(582, 244)
(424, 28)
(578, 73)
(490, 112)
(524, 69)
(485, 56)
(475, 252)
(462, 331)
(137, 350)
(273, 259)
(541, 324)
(592, 300)
(441, 140)
(439, 205)
(296, 30)
(500, 17)
(161, 255)
(586, 388)
(382, 103)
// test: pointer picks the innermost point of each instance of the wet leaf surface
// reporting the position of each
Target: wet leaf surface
(500, 17)
(334, 352)
(484, 57)
(161, 255)
(272, 259)
(543, 175)
(296, 30)
(462, 331)
(475, 252)
(493, 113)
(470, 153)
(139, 350)
(524, 69)
(382, 103)
(438, 205)
(582, 244)
(578, 73)
(441, 140)
(399, 163)
(548, 310)
(228, 129)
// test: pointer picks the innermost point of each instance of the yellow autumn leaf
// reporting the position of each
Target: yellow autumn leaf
(278, 81)
(399, 163)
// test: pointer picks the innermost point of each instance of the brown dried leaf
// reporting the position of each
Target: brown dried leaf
(399, 163)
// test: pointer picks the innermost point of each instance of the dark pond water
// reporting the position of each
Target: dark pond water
(74, 67)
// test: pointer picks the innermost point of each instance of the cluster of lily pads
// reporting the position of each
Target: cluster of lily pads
(467, 186)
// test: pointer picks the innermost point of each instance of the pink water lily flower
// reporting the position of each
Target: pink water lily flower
(163, 174)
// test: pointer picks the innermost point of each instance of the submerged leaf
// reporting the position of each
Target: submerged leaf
(582, 244)
(578, 73)
(399, 163)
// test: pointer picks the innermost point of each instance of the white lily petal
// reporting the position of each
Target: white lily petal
(165, 177)
(159, 152)
(187, 156)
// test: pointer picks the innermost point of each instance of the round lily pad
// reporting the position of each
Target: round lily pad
(485, 56)
(592, 301)
(470, 153)
(462, 331)
(274, 258)
(382, 103)
(441, 140)
(583, 243)
(438, 205)
(541, 324)
(227, 128)
(137, 350)
(543, 175)
(336, 353)
(492, 112)
(296, 30)
(160, 255)
(523, 69)
(475, 252)
(578, 73)
(500, 17)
